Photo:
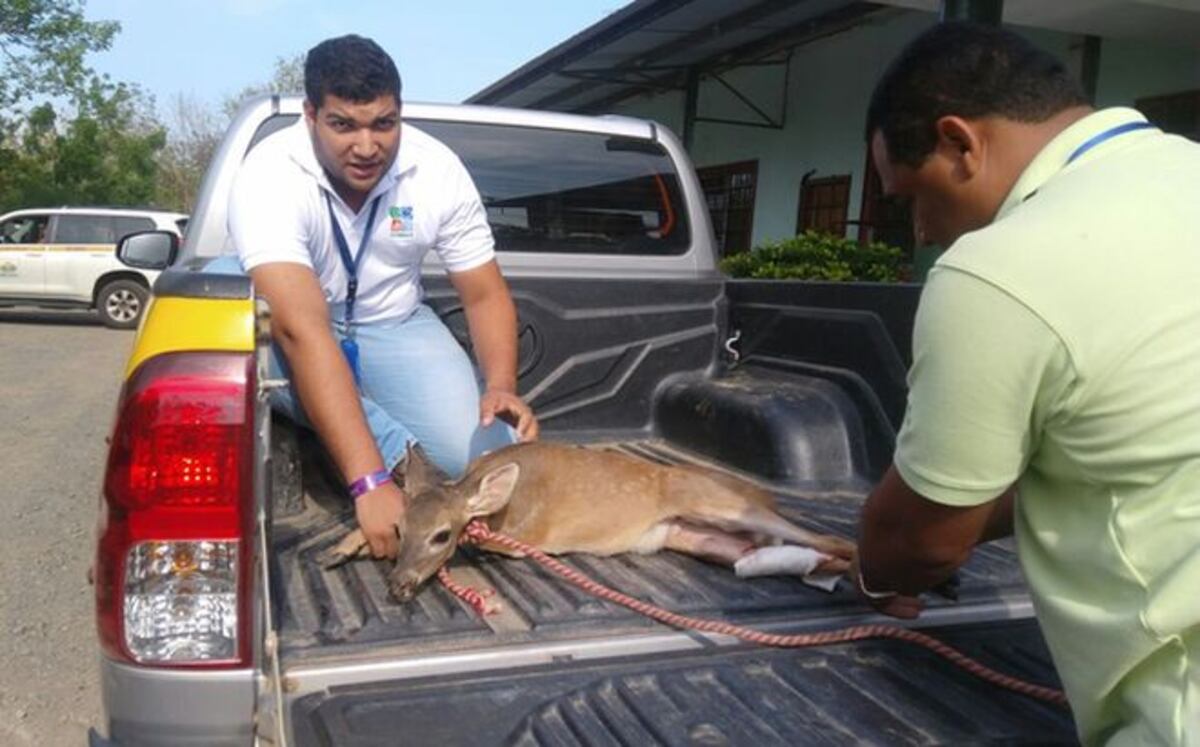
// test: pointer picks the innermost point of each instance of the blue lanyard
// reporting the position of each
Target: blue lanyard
(1107, 135)
(348, 344)
(351, 263)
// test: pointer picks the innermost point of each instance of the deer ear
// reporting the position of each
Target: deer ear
(419, 472)
(495, 490)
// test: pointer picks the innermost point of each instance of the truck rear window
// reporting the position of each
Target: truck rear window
(563, 191)
(571, 192)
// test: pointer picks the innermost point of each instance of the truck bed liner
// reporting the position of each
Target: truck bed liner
(870, 692)
(348, 610)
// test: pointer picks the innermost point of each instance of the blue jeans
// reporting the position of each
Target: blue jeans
(416, 385)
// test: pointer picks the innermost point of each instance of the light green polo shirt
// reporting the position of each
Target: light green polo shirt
(1059, 348)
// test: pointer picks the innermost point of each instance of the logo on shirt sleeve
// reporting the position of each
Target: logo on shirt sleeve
(402, 221)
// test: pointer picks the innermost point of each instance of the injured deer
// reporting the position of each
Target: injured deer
(566, 499)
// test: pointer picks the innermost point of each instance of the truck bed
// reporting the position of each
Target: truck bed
(867, 693)
(355, 661)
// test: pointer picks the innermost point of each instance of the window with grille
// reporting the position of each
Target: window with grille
(823, 205)
(884, 218)
(729, 191)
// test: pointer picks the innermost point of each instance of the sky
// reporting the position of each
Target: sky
(446, 50)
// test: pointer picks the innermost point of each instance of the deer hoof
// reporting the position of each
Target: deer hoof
(352, 546)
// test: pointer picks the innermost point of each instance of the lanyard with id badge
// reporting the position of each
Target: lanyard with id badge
(349, 345)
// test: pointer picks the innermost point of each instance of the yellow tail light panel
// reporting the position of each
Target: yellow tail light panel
(173, 324)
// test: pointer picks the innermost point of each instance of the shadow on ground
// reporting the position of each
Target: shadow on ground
(64, 317)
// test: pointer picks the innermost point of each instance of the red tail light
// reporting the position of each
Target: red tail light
(173, 563)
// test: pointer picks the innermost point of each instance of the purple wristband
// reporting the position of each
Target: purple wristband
(367, 483)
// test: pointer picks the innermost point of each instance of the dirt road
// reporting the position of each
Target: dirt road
(59, 378)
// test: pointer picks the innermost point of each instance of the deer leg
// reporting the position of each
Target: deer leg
(707, 543)
(717, 500)
(353, 545)
(760, 520)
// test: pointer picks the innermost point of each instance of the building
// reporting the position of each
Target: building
(770, 96)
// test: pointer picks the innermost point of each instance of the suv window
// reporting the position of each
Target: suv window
(84, 229)
(27, 229)
(559, 191)
(127, 224)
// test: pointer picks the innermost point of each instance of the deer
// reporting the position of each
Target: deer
(564, 498)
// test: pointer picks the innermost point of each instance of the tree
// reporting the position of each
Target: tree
(288, 78)
(42, 46)
(68, 135)
(195, 133)
(103, 153)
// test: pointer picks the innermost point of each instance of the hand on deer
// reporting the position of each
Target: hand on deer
(498, 403)
(380, 515)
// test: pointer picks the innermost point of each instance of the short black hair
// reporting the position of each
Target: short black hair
(968, 70)
(350, 67)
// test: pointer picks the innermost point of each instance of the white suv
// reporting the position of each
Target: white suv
(64, 257)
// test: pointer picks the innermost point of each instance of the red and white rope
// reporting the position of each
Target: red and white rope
(478, 600)
(477, 533)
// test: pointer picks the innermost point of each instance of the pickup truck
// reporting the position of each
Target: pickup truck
(218, 625)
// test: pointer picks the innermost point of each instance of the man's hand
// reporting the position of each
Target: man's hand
(892, 604)
(497, 403)
(380, 515)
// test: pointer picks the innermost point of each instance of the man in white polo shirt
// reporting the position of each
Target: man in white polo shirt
(331, 218)
(1055, 383)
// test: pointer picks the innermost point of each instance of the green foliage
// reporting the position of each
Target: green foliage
(196, 131)
(67, 135)
(102, 153)
(820, 256)
(71, 137)
(43, 44)
(194, 135)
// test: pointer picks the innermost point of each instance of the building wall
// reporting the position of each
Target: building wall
(829, 84)
(1133, 70)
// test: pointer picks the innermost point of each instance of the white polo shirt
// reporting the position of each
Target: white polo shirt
(278, 213)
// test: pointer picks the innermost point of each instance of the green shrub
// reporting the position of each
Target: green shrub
(820, 256)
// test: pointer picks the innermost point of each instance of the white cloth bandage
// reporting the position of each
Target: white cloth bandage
(790, 560)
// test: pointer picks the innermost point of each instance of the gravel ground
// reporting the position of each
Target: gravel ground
(60, 373)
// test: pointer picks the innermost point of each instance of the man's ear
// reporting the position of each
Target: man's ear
(495, 490)
(310, 112)
(961, 141)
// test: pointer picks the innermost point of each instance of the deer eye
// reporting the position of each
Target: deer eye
(441, 537)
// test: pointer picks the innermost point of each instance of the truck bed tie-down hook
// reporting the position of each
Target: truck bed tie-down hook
(730, 350)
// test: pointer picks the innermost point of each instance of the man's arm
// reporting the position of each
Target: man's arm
(492, 323)
(300, 326)
(908, 543)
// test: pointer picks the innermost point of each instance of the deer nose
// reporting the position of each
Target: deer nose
(402, 586)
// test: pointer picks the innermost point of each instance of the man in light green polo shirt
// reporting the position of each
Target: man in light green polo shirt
(1055, 385)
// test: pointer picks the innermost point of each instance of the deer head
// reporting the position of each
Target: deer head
(438, 511)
